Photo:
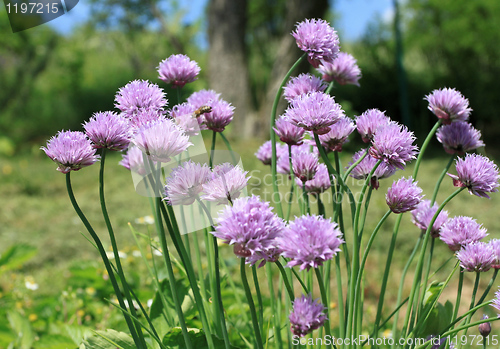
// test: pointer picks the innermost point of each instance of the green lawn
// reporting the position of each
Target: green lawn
(36, 210)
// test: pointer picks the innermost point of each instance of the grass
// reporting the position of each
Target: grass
(36, 210)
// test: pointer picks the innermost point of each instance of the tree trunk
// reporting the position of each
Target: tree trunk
(227, 59)
(286, 55)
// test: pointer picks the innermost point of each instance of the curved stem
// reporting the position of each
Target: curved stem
(253, 313)
(218, 295)
(356, 163)
(351, 319)
(171, 277)
(459, 294)
(107, 264)
(228, 145)
(212, 150)
(424, 147)
(440, 179)
(488, 288)
(325, 303)
(285, 280)
(330, 87)
(259, 295)
(420, 262)
(401, 285)
(472, 301)
(112, 238)
(279, 210)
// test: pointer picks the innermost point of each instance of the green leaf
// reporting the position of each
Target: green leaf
(54, 341)
(109, 339)
(157, 305)
(15, 256)
(440, 316)
(22, 328)
(175, 340)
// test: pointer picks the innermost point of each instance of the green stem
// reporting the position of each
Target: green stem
(229, 148)
(218, 295)
(401, 285)
(285, 280)
(488, 288)
(276, 196)
(356, 163)
(424, 147)
(472, 301)
(324, 299)
(174, 234)
(368, 247)
(440, 179)
(253, 313)
(426, 277)
(133, 330)
(171, 277)
(330, 87)
(459, 294)
(274, 311)
(418, 271)
(212, 150)
(292, 179)
(112, 238)
(340, 305)
(351, 320)
(259, 295)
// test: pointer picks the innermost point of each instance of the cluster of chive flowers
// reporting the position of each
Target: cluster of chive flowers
(143, 124)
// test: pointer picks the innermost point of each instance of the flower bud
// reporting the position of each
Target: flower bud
(485, 327)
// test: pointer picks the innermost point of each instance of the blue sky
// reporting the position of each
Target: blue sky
(355, 15)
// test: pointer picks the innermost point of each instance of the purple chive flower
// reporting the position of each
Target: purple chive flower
(226, 183)
(394, 145)
(184, 183)
(250, 225)
(304, 166)
(363, 169)
(404, 195)
(320, 182)
(495, 245)
(301, 85)
(289, 133)
(496, 301)
(477, 173)
(343, 70)
(203, 97)
(71, 151)
(460, 231)
(178, 70)
(318, 39)
(183, 115)
(449, 105)
(133, 160)
(307, 315)
(142, 116)
(140, 94)
(220, 116)
(476, 256)
(315, 112)
(309, 241)
(283, 162)
(161, 140)
(369, 122)
(423, 214)
(484, 328)
(108, 130)
(338, 134)
(459, 137)
(264, 153)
